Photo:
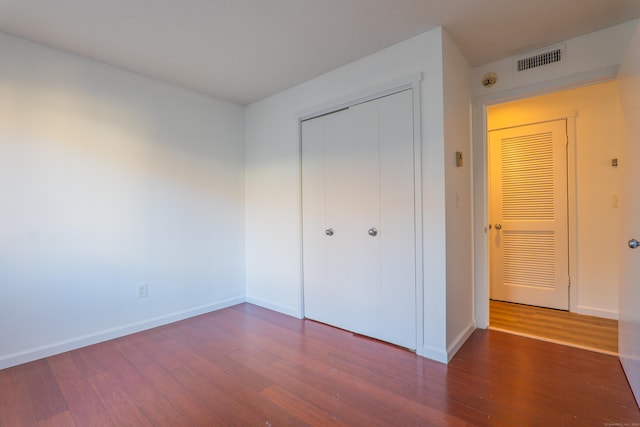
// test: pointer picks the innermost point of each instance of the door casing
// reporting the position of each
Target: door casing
(480, 180)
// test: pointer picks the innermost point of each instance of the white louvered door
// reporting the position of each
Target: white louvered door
(528, 211)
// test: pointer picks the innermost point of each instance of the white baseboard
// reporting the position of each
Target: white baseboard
(459, 341)
(435, 354)
(275, 307)
(445, 356)
(598, 312)
(109, 334)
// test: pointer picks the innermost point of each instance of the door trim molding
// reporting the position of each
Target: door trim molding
(412, 82)
(409, 82)
(480, 178)
(541, 118)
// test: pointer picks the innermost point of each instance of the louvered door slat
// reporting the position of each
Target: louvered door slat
(527, 177)
(529, 259)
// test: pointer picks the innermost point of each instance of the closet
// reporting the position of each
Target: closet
(359, 263)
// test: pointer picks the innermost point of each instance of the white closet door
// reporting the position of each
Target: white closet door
(325, 142)
(358, 183)
(397, 220)
(364, 214)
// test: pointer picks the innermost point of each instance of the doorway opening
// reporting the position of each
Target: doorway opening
(538, 263)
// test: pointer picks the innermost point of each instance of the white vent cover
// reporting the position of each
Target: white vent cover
(539, 58)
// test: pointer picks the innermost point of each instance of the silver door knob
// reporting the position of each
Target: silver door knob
(498, 227)
(633, 243)
(329, 231)
(372, 231)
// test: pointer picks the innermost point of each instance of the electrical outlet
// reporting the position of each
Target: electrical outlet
(142, 290)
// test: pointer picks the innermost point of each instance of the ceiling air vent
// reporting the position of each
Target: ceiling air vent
(549, 56)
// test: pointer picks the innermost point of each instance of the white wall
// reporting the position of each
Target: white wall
(109, 179)
(273, 227)
(273, 232)
(597, 142)
(459, 209)
(589, 58)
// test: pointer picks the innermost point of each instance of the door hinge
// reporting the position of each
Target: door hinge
(569, 280)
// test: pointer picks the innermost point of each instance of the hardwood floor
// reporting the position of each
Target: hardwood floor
(573, 329)
(247, 366)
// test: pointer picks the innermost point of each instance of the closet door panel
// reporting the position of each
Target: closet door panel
(365, 215)
(313, 217)
(397, 220)
(325, 188)
(337, 196)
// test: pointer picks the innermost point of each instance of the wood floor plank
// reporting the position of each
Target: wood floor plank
(195, 411)
(348, 382)
(224, 396)
(113, 395)
(46, 396)
(85, 406)
(16, 407)
(561, 326)
(567, 381)
(117, 402)
(192, 395)
(63, 419)
(246, 365)
(348, 378)
(318, 393)
(147, 398)
(301, 408)
(195, 338)
(391, 407)
(231, 395)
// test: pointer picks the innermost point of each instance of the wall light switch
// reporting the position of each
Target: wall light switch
(143, 290)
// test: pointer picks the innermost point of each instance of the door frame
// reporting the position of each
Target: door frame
(481, 182)
(409, 82)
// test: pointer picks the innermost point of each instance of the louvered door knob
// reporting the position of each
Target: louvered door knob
(633, 243)
(498, 227)
(372, 232)
(329, 231)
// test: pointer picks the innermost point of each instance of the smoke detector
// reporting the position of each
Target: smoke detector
(489, 79)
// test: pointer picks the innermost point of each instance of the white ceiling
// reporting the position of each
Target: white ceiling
(245, 50)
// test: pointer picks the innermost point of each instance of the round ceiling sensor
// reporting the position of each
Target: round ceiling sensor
(489, 79)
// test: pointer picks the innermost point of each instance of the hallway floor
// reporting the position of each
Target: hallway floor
(576, 330)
